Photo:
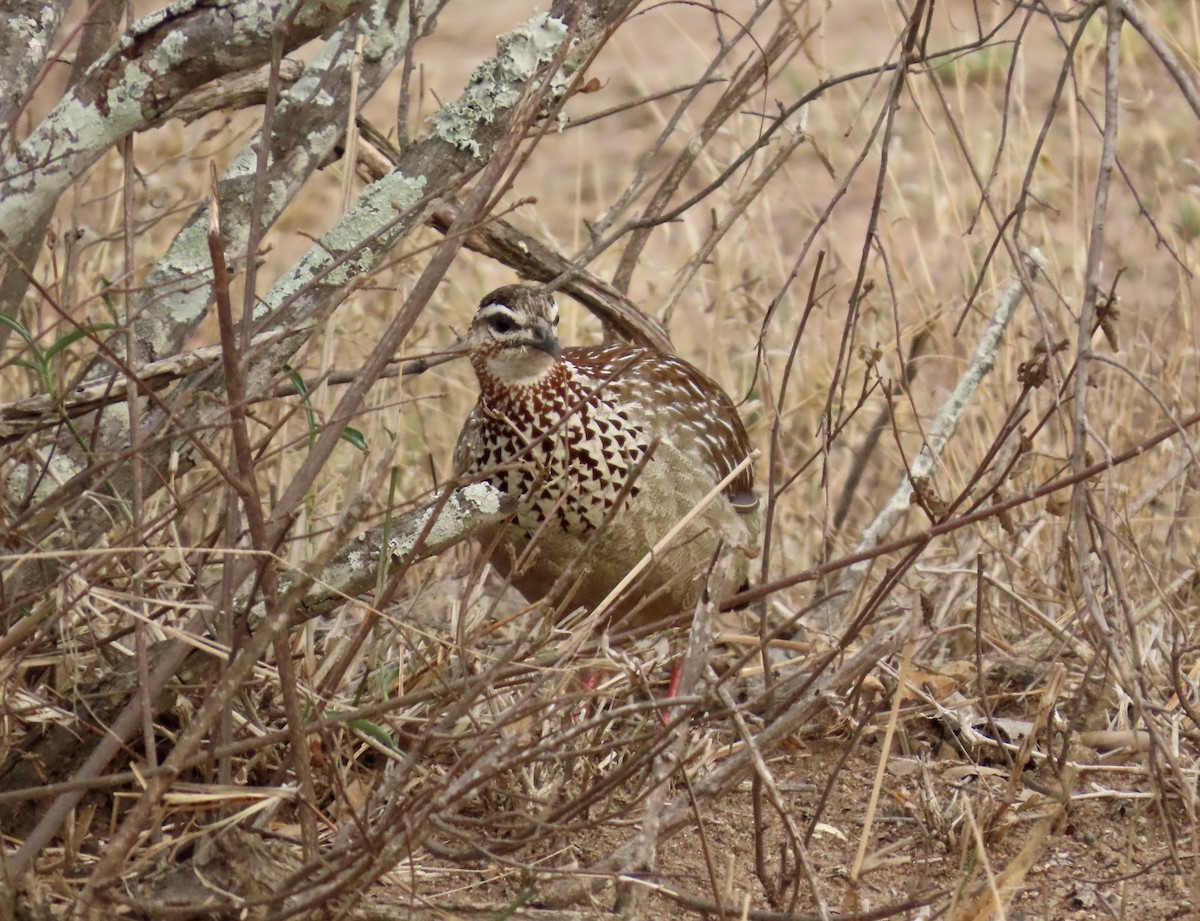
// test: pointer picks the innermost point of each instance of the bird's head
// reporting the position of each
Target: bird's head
(514, 336)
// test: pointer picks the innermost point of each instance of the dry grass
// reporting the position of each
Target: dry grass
(443, 755)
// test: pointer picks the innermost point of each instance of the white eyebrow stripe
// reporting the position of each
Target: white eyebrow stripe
(496, 310)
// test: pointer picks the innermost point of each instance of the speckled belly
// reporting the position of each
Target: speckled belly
(571, 475)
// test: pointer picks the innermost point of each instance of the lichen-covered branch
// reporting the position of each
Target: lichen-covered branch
(27, 31)
(386, 212)
(165, 56)
(308, 121)
(355, 568)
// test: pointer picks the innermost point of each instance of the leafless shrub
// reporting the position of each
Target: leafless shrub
(947, 257)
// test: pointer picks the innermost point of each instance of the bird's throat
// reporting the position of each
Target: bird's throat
(516, 369)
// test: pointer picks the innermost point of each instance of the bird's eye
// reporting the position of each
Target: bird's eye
(502, 324)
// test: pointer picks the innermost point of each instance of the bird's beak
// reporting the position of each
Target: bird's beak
(542, 337)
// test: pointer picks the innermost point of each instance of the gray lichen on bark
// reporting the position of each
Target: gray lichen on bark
(497, 84)
(309, 119)
(164, 56)
(27, 30)
(355, 568)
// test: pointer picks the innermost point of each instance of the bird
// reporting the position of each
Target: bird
(606, 448)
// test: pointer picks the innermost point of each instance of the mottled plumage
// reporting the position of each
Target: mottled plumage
(566, 429)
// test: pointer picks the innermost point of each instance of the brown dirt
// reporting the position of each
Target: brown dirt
(1106, 855)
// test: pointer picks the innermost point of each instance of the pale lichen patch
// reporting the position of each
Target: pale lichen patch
(497, 84)
(373, 218)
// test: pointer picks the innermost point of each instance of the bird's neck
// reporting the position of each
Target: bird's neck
(509, 379)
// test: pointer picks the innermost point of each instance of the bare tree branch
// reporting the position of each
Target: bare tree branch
(936, 439)
(237, 92)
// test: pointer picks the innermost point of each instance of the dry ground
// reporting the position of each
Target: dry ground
(1107, 858)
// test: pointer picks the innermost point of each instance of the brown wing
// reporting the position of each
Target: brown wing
(467, 448)
(687, 403)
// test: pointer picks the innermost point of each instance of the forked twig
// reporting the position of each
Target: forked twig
(936, 439)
